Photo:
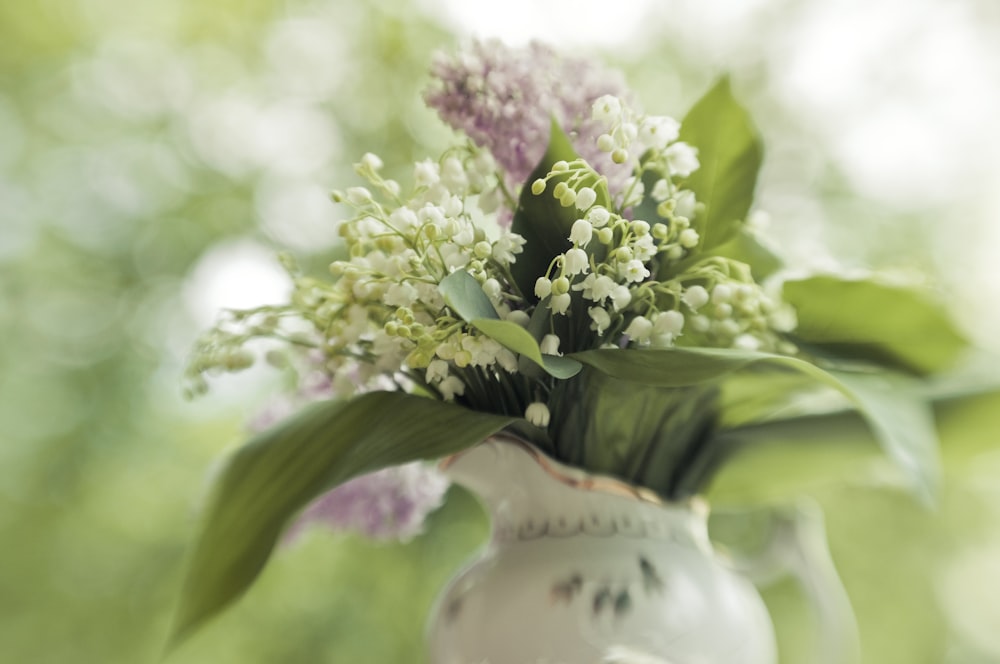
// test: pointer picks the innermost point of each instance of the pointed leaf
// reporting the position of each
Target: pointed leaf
(902, 422)
(268, 480)
(466, 298)
(912, 446)
(464, 295)
(863, 319)
(515, 338)
(542, 220)
(730, 152)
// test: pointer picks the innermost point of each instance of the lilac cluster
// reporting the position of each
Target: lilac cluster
(504, 98)
(389, 504)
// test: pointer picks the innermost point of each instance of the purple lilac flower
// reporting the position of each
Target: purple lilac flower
(504, 98)
(389, 504)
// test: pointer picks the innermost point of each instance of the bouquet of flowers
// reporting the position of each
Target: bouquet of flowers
(573, 270)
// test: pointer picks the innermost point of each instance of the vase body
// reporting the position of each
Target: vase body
(583, 569)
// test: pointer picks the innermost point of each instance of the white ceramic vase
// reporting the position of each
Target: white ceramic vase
(588, 570)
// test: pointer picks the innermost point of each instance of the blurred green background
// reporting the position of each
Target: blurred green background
(155, 155)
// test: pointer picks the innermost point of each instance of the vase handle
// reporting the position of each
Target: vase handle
(795, 545)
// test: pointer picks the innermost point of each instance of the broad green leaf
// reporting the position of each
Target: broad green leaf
(782, 458)
(901, 420)
(515, 338)
(464, 295)
(751, 397)
(541, 220)
(267, 481)
(730, 152)
(912, 445)
(862, 319)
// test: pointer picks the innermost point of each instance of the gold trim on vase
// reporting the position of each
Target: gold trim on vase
(597, 483)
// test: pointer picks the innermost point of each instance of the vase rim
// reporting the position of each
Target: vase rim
(591, 482)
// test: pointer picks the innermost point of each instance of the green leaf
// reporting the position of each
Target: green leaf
(466, 298)
(730, 152)
(541, 220)
(267, 481)
(464, 295)
(861, 319)
(785, 457)
(912, 443)
(901, 420)
(515, 338)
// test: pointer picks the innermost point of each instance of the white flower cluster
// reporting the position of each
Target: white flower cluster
(628, 132)
(635, 279)
(385, 314)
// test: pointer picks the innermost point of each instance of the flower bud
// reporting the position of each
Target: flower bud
(482, 250)
(722, 293)
(560, 286)
(669, 322)
(370, 162)
(575, 261)
(639, 329)
(568, 198)
(689, 238)
(358, 196)
(550, 344)
(543, 286)
(492, 288)
(585, 198)
(581, 233)
(695, 297)
(538, 414)
(560, 303)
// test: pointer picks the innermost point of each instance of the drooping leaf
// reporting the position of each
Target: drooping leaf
(464, 295)
(902, 421)
(911, 446)
(541, 220)
(806, 453)
(515, 338)
(783, 458)
(892, 325)
(751, 397)
(730, 153)
(268, 480)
